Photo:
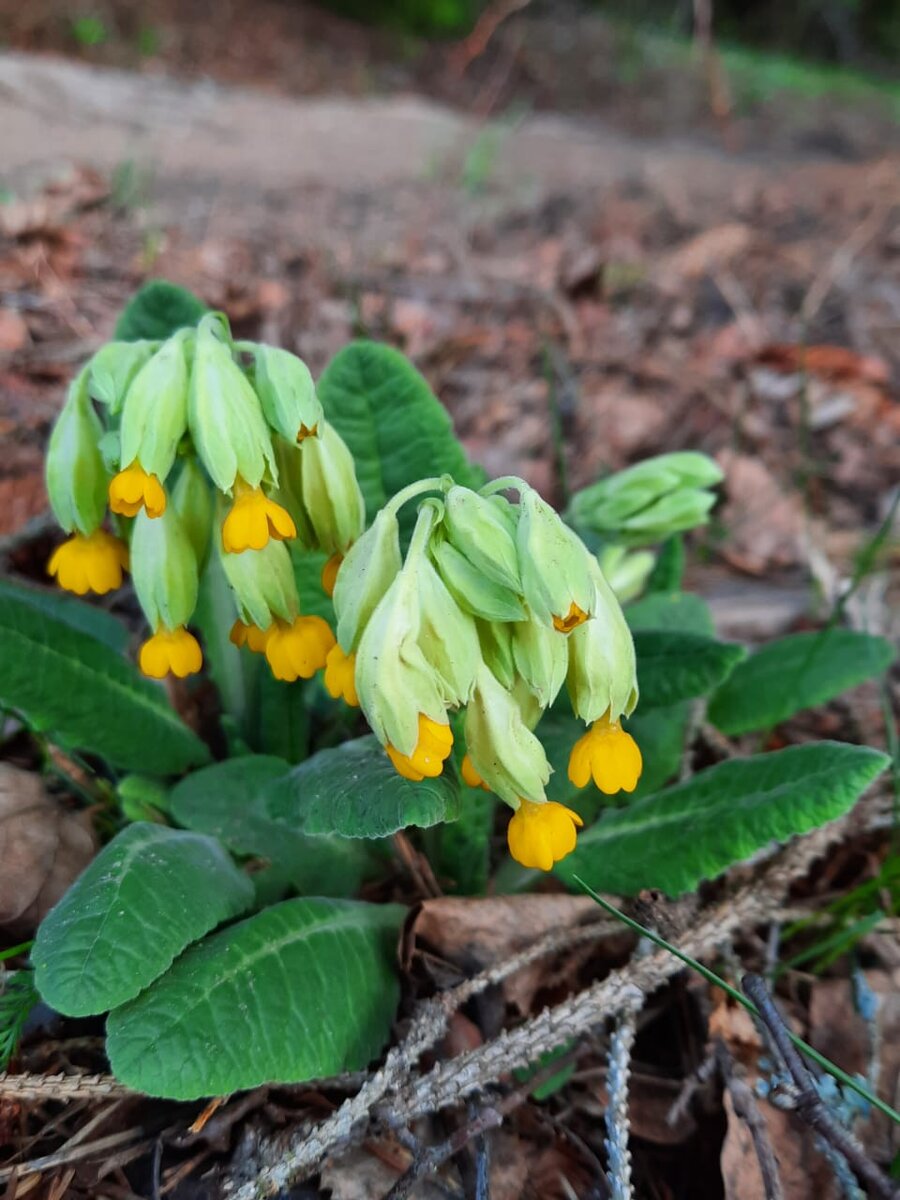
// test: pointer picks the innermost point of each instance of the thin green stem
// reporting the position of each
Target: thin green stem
(13, 951)
(504, 483)
(711, 977)
(436, 483)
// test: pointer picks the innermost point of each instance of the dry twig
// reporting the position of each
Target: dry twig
(449, 1083)
(809, 1104)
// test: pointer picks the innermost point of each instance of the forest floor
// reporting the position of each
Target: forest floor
(591, 262)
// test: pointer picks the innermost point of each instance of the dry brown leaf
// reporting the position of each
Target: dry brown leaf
(764, 523)
(704, 254)
(13, 331)
(43, 849)
(44, 214)
(471, 934)
(837, 363)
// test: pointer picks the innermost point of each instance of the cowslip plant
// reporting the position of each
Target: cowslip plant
(324, 552)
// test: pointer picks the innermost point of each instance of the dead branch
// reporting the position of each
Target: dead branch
(809, 1104)
(450, 1083)
(746, 1109)
(61, 1087)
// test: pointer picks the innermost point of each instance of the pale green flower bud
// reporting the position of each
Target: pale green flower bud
(651, 500)
(541, 657)
(263, 583)
(369, 569)
(471, 588)
(555, 564)
(164, 569)
(154, 416)
(331, 495)
(286, 392)
(193, 501)
(496, 641)
(394, 680)
(626, 573)
(481, 534)
(224, 413)
(113, 368)
(504, 751)
(602, 675)
(447, 635)
(76, 477)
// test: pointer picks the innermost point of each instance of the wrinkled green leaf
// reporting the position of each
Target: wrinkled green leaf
(354, 791)
(146, 896)
(156, 311)
(299, 991)
(396, 428)
(697, 829)
(227, 802)
(673, 666)
(86, 696)
(88, 618)
(794, 673)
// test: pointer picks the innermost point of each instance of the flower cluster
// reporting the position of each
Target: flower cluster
(493, 608)
(200, 445)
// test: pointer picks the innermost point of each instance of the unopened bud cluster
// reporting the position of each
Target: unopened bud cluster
(198, 445)
(495, 606)
(650, 501)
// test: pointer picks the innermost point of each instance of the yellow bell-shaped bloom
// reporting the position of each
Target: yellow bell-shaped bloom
(253, 519)
(539, 835)
(133, 489)
(92, 563)
(171, 652)
(470, 775)
(251, 636)
(609, 755)
(340, 676)
(330, 573)
(433, 747)
(298, 650)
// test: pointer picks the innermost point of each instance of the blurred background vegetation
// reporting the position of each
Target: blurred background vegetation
(843, 32)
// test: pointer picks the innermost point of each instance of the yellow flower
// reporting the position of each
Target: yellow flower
(434, 745)
(91, 563)
(470, 775)
(253, 519)
(340, 676)
(133, 489)
(610, 755)
(573, 618)
(250, 636)
(541, 834)
(171, 651)
(298, 650)
(307, 431)
(330, 573)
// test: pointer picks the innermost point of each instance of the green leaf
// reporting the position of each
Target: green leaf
(677, 666)
(354, 791)
(308, 566)
(697, 829)
(227, 802)
(301, 990)
(682, 611)
(85, 696)
(462, 856)
(794, 673)
(396, 428)
(145, 896)
(158, 310)
(668, 572)
(88, 618)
